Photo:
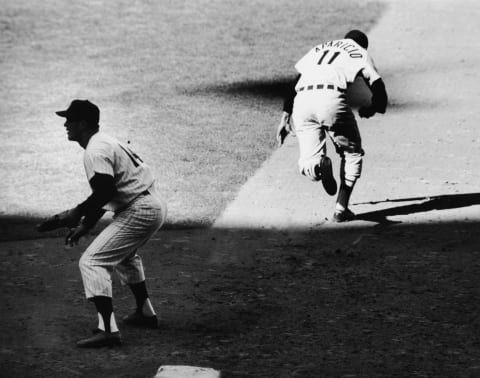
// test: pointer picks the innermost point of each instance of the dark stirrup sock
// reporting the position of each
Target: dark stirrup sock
(139, 290)
(344, 195)
(105, 308)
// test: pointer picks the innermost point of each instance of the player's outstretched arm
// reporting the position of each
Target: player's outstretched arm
(68, 218)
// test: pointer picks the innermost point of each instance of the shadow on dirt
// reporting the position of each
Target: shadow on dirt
(397, 300)
(248, 302)
(271, 92)
(265, 89)
(384, 301)
(442, 202)
(275, 89)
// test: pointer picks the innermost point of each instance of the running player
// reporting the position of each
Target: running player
(317, 107)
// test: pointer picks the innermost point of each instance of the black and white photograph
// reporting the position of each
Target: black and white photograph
(239, 189)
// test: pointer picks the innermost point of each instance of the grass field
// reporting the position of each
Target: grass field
(194, 86)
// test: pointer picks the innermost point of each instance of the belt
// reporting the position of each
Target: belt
(322, 86)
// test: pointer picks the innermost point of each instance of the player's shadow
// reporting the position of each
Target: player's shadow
(442, 202)
(269, 89)
(275, 89)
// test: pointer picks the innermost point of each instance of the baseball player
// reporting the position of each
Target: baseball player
(316, 107)
(122, 183)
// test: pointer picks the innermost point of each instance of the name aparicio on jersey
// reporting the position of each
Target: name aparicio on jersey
(344, 44)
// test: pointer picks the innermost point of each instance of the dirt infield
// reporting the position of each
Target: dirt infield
(365, 302)
(275, 290)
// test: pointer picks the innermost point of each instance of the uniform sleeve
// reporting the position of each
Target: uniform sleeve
(379, 96)
(99, 160)
(103, 190)
(369, 72)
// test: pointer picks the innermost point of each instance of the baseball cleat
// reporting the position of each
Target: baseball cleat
(101, 339)
(343, 216)
(326, 173)
(137, 319)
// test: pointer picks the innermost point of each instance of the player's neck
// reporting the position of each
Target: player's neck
(85, 138)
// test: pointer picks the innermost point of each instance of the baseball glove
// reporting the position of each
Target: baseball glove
(68, 218)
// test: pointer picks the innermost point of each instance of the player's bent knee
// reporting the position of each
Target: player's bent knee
(84, 263)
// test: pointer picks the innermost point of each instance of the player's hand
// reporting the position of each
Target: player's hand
(283, 129)
(366, 112)
(75, 234)
(68, 218)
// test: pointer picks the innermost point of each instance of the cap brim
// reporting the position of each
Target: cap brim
(62, 113)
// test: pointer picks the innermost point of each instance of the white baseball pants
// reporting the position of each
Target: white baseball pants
(318, 112)
(115, 248)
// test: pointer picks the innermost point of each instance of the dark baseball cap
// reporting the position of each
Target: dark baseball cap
(359, 37)
(81, 110)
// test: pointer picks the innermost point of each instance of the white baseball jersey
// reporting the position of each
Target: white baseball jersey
(336, 62)
(106, 155)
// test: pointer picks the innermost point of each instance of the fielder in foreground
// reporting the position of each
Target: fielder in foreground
(316, 106)
(122, 183)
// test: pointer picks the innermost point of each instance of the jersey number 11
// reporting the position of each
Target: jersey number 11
(325, 53)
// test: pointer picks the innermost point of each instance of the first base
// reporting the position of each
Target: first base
(170, 371)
